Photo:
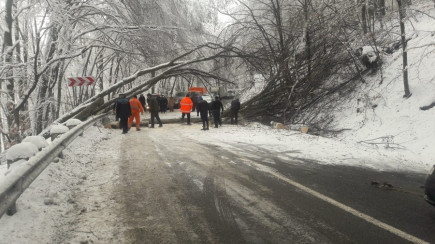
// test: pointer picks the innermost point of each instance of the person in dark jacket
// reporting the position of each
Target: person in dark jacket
(123, 111)
(142, 101)
(216, 107)
(235, 107)
(203, 109)
(163, 104)
(194, 101)
(154, 110)
(159, 101)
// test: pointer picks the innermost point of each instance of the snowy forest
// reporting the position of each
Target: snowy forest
(306, 54)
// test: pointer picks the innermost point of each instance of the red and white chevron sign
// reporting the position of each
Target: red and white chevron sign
(80, 81)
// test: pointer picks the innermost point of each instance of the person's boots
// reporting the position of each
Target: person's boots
(206, 127)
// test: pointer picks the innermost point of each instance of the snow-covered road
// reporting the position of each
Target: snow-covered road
(178, 184)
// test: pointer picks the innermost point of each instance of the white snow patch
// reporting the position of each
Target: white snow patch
(58, 129)
(23, 150)
(269, 161)
(72, 122)
(4, 171)
(199, 184)
(367, 50)
(38, 141)
(370, 53)
(168, 164)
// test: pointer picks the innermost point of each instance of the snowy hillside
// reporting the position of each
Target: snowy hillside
(377, 113)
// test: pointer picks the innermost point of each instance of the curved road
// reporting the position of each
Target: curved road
(175, 190)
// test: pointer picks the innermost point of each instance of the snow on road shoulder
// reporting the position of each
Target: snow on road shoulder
(295, 145)
(49, 208)
(56, 208)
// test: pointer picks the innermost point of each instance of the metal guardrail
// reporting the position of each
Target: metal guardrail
(19, 179)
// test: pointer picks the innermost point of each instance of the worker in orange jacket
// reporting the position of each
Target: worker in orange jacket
(186, 105)
(136, 108)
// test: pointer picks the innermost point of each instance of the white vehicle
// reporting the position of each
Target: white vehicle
(231, 94)
(219, 91)
(207, 98)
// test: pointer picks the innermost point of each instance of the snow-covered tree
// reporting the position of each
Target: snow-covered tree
(52, 40)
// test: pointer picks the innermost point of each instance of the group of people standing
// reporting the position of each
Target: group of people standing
(163, 102)
(128, 110)
(204, 109)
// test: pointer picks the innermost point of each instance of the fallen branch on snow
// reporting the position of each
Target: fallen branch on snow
(428, 106)
(387, 141)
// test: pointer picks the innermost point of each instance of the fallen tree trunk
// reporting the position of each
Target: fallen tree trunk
(96, 103)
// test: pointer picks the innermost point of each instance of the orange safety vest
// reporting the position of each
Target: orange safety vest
(186, 105)
(135, 106)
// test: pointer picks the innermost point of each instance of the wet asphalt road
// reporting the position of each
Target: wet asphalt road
(178, 191)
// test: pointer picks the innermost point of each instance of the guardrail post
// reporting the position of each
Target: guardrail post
(12, 209)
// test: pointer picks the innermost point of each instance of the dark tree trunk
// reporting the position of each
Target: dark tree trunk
(402, 16)
(43, 93)
(7, 53)
(364, 16)
(171, 93)
(153, 89)
(307, 41)
(382, 7)
(7, 47)
(59, 90)
(41, 105)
